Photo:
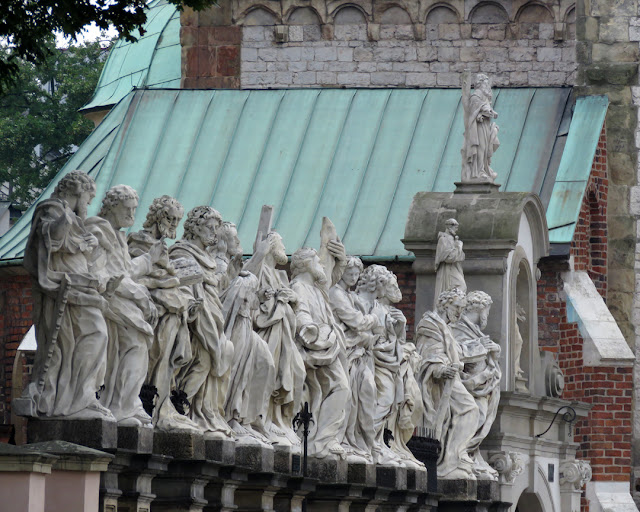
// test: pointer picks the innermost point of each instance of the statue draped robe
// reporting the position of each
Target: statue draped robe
(480, 141)
(449, 258)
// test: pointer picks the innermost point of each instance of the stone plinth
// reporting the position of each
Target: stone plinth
(257, 458)
(220, 450)
(327, 470)
(136, 439)
(98, 434)
(179, 445)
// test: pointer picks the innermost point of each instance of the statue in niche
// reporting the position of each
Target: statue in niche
(228, 254)
(480, 132)
(521, 380)
(360, 332)
(253, 371)
(373, 289)
(449, 258)
(205, 379)
(321, 343)
(451, 411)
(275, 322)
(481, 373)
(131, 315)
(171, 348)
(71, 331)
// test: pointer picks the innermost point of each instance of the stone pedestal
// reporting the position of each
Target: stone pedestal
(220, 450)
(135, 480)
(256, 458)
(179, 445)
(135, 439)
(97, 434)
(470, 496)
(327, 470)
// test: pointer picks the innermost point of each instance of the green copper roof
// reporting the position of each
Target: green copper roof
(153, 61)
(355, 155)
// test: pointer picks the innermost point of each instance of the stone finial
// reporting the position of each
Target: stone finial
(480, 133)
(575, 472)
(508, 465)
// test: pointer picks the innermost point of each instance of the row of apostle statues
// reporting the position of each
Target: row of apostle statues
(234, 348)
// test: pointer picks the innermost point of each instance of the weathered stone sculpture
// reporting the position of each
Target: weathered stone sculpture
(275, 322)
(228, 254)
(171, 348)
(71, 331)
(321, 343)
(449, 258)
(205, 379)
(360, 332)
(253, 371)
(450, 410)
(387, 354)
(131, 315)
(480, 133)
(521, 379)
(481, 373)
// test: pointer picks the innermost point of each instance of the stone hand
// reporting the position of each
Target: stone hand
(112, 284)
(336, 249)
(158, 252)
(309, 333)
(91, 242)
(286, 295)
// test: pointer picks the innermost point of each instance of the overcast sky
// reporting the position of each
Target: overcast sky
(91, 33)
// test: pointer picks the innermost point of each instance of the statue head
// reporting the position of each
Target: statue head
(478, 307)
(451, 225)
(352, 271)
(306, 260)
(119, 206)
(391, 291)
(451, 304)
(201, 225)
(373, 281)
(228, 241)
(483, 84)
(165, 213)
(78, 189)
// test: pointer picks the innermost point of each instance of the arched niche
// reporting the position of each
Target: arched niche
(522, 319)
(395, 16)
(570, 23)
(538, 496)
(304, 16)
(349, 15)
(488, 12)
(259, 17)
(442, 14)
(534, 13)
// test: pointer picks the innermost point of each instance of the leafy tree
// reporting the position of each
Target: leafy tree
(28, 24)
(39, 119)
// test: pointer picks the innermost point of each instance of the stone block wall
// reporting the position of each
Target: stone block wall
(589, 247)
(16, 305)
(387, 48)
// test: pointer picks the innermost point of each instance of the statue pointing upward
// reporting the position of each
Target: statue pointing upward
(480, 133)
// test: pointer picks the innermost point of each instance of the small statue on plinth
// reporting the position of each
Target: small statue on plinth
(480, 132)
(521, 379)
(449, 258)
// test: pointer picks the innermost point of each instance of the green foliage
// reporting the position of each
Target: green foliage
(39, 119)
(28, 24)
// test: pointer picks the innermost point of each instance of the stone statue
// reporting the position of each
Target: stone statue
(253, 371)
(131, 315)
(450, 410)
(275, 322)
(228, 254)
(70, 360)
(480, 133)
(360, 333)
(521, 380)
(481, 373)
(321, 343)
(449, 258)
(171, 348)
(373, 289)
(205, 379)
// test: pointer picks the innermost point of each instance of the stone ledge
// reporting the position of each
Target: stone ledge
(98, 434)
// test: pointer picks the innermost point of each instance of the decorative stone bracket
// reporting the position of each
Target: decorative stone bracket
(508, 465)
(575, 473)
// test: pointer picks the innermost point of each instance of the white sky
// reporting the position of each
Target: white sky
(90, 33)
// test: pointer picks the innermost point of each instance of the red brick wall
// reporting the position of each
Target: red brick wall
(589, 247)
(605, 435)
(16, 306)
(407, 283)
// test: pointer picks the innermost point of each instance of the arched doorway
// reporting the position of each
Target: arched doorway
(529, 502)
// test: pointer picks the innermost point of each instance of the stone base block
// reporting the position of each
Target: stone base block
(220, 450)
(328, 470)
(488, 490)
(417, 479)
(98, 434)
(362, 474)
(255, 457)
(282, 459)
(137, 439)
(458, 490)
(392, 477)
(179, 445)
